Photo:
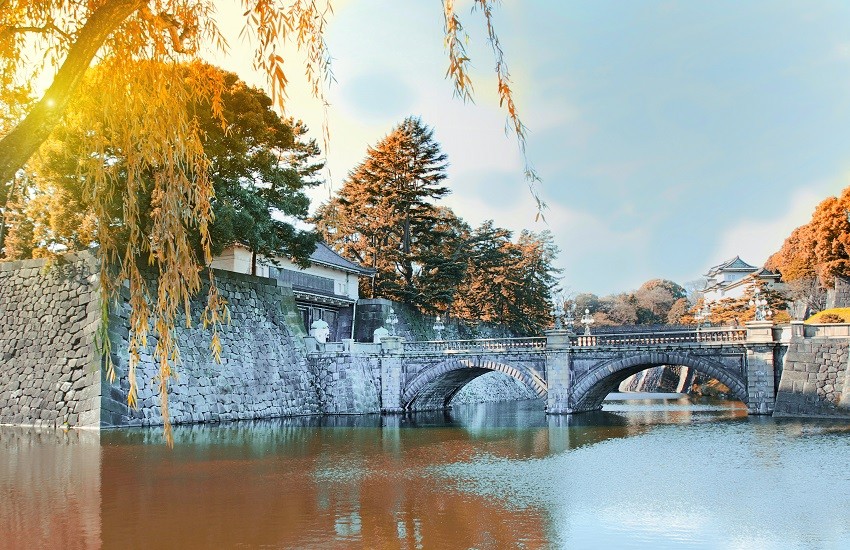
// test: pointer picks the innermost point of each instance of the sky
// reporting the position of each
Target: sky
(669, 135)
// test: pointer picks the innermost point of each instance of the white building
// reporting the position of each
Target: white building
(733, 278)
(327, 290)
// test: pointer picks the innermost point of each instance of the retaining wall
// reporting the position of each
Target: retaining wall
(51, 375)
(49, 367)
(51, 370)
(492, 387)
(263, 371)
(813, 378)
(346, 383)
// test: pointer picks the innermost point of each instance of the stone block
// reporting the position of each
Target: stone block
(89, 418)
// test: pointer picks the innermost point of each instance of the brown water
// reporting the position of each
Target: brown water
(660, 473)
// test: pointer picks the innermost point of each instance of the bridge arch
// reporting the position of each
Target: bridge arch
(589, 392)
(435, 387)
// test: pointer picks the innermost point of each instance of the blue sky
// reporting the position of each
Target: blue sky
(669, 135)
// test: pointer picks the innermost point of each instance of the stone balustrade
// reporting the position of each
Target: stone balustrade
(696, 336)
(483, 344)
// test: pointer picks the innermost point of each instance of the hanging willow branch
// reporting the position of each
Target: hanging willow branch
(458, 72)
(143, 116)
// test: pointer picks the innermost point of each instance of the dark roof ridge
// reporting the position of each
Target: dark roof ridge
(326, 255)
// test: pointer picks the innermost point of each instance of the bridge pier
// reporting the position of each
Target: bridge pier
(761, 385)
(391, 383)
(558, 375)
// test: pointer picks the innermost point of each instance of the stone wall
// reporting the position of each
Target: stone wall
(493, 387)
(667, 378)
(813, 377)
(347, 383)
(49, 367)
(51, 370)
(263, 371)
(839, 294)
(368, 316)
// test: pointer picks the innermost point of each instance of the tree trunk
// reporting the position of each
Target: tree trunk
(4, 214)
(18, 146)
(2, 233)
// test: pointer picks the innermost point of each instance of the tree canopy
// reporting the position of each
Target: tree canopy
(387, 215)
(819, 249)
(508, 282)
(259, 167)
(656, 302)
(736, 311)
(386, 208)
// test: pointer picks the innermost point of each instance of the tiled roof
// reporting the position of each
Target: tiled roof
(735, 264)
(325, 255)
(765, 273)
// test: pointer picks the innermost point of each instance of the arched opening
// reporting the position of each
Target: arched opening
(435, 387)
(591, 390)
(663, 379)
(674, 379)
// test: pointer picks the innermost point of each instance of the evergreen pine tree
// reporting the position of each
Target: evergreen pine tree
(386, 209)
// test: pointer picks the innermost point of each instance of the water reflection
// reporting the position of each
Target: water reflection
(654, 473)
(50, 488)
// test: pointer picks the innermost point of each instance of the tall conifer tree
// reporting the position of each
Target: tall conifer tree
(387, 216)
(386, 206)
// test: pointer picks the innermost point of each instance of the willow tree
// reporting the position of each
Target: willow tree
(141, 45)
(260, 166)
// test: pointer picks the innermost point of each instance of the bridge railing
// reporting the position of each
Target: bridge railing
(659, 338)
(484, 344)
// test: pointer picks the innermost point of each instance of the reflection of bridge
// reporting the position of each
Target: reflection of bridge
(574, 372)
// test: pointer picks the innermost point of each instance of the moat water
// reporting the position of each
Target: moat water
(656, 472)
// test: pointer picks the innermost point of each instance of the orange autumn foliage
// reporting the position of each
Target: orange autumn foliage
(821, 248)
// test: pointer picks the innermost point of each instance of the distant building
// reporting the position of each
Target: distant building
(327, 290)
(733, 278)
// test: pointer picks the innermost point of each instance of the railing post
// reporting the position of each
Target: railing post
(797, 329)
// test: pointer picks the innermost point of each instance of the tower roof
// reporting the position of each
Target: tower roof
(735, 264)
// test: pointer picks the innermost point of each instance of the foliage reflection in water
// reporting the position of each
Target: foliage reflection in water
(655, 473)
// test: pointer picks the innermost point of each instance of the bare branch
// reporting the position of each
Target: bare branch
(166, 22)
(46, 29)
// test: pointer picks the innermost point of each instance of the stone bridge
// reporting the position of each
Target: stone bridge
(574, 373)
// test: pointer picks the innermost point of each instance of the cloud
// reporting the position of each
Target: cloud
(594, 255)
(754, 240)
(377, 95)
